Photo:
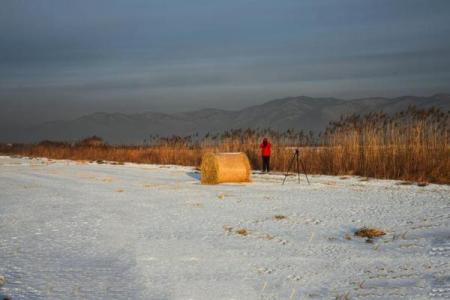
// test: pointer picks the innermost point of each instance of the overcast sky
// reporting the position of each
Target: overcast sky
(63, 58)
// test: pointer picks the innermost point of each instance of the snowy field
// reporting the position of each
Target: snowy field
(71, 230)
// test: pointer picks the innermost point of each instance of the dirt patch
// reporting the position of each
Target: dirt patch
(279, 217)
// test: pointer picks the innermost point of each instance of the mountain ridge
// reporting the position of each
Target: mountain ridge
(300, 112)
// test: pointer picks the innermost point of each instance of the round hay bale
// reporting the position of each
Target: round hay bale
(225, 167)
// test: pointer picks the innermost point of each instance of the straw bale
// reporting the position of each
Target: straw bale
(225, 167)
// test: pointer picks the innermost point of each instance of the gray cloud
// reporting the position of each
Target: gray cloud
(65, 58)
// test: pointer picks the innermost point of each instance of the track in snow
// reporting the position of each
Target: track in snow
(72, 230)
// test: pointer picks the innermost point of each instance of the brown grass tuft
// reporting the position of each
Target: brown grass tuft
(279, 217)
(369, 232)
(242, 231)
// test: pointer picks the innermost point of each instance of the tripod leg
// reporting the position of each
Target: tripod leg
(304, 170)
(289, 168)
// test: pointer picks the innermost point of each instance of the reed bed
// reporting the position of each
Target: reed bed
(412, 145)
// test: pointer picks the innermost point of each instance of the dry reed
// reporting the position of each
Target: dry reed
(412, 145)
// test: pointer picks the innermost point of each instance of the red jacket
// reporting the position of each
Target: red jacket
(265, 151)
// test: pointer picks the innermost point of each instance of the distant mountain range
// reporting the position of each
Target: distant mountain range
(294, 112)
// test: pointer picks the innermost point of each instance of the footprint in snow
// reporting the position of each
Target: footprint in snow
(294, 277)
(263, 270)
(313, 221)
(282, 242)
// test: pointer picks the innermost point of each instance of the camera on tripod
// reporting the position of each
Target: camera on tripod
(295, 162)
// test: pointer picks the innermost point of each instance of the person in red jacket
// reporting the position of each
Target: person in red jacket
(265, 153)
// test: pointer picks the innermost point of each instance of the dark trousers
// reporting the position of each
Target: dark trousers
(266, 163)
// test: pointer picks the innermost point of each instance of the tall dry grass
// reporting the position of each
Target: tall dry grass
(411, 145)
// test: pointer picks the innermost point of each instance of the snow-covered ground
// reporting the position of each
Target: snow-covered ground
(71, 230)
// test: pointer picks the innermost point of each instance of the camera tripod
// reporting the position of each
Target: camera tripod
(298, 162)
